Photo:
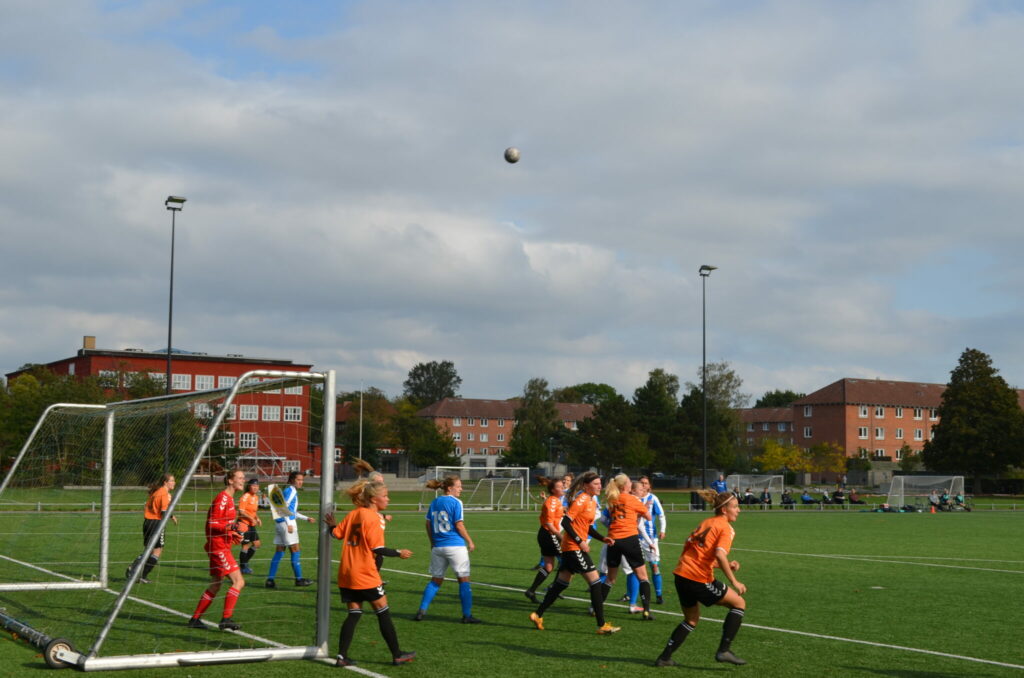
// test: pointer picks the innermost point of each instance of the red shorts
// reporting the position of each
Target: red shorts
(222, 563)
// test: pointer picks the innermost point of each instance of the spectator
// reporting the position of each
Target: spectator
(719, 485)
(934, 500)
(855, 498)
(944, 504)
(806, 498)
(787, 500)
(748, 497)
(839, 497)
(766, 498)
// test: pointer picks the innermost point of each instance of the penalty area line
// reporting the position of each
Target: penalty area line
(760, 627)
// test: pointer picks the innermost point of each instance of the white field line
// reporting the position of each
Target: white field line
(250, 636)
(807, 634)
(872, 559)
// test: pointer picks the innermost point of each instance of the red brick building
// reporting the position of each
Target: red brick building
(271, 428)
(482, 429)
(767, 423)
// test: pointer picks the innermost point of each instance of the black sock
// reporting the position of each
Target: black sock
(597, 595)
(645, 595)
(246, 556)
(538, 580)
(730, 628)
(676, 639)
(135, 563)
(150, 564)
(387, 630)
(348, 630)
(606, 588)
(551, 596)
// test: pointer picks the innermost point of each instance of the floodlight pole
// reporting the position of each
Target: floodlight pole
(704, 272)
(174, 204)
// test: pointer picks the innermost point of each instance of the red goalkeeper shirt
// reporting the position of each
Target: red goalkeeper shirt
(218, 521)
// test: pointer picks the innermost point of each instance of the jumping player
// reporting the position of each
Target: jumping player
(286, 533)
(156, 505)
(578, 524)
(549, 536)
(248, 506)
(221, 533)
(362, 533)
(450, 546)
(708, 547)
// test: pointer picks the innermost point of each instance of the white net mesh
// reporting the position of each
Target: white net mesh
(914, 490)
(757, 484)
(492, 488)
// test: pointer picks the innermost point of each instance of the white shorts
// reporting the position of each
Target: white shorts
(652, 554)
(281, 535)
(441, 557)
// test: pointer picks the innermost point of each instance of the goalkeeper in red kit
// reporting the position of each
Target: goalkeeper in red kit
(222, 532)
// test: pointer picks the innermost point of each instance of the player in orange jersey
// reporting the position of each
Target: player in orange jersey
(362, 532)
(248, 506)
(222, 532)
(578, 523)
(157, 502)
(706, 548)
(624, 512)
(549, 536)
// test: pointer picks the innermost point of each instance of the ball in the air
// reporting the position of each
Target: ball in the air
(512, 154)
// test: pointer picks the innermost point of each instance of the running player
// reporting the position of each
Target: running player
(578, 524)
(450, 545)
(624, 510)
(550, 534)
(221, 533)
(156, 506)
(708, 547)
(248, 506)
(286, 533)
(362, 533)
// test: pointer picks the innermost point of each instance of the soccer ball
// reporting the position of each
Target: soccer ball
(512, 154)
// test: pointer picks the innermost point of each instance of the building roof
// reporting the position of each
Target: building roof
(876, 392)
(498, 409)
(758, 415)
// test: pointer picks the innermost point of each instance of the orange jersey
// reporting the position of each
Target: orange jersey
(362, 530)
(700, 551)
(250, 503)
(552, 512)
(157, 504)
(624, 515)
(581, 512)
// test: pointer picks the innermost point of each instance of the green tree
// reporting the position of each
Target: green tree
(655, 406)
(721, 435)
(778, 398)
(429, 382)
(610, 439)
(723, 386)
(536, 422)
(588, 392)
(981, 427)
(425, 444)
(909, 460)
(827, 458)
(775, 456)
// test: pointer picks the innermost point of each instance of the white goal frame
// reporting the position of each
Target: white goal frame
(497, 479)
(776, 484)
(902, 487)
(253, 381)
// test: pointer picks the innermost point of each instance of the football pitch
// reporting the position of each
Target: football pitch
(829, 593)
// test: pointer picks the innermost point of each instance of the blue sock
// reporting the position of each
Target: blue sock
(428, 594)
(274, 563)
(632, 587)
(602, 578)
(466, 598)
(296, 564)
(657, 584)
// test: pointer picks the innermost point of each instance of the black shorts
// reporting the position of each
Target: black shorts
(628, 548)
(149, 526)
(250, 536)
(577, 562)
(361, 595)
(548, 543)
(693, 592)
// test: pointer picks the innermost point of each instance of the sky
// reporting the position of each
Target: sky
(853, 170)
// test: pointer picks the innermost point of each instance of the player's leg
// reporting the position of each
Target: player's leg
(691, 615)
(458, 558)
(296, 559)
(207, 598)
(438, 566)
(348, 628)
(388, 632)
(281, 542)
(731, 626)
(231, 598)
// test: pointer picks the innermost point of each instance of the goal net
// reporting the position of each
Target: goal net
(488, 488)
(757, 484)
(905, 489)
(71, 510)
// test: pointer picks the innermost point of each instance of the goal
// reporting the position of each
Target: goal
(502, 487)
(757, 484)
(917, 488)
(71, 506)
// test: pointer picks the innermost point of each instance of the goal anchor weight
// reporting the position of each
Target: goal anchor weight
(58, 652)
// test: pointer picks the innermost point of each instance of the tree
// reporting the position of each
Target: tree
(721, 434)
(778, 398)
(827, 458)
(425, 444)
(723, 386)
(909, 460)
(536, 422)
(429, 382)
(588, 392)
(655, 406)
(776, 456)
(981, 427)
(610, 439)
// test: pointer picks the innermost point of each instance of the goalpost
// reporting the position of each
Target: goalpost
(501, 487)
(903, 487)
(71, 509)
(775, 484)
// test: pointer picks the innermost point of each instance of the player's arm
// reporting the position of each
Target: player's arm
(659, 511)
(166, 505)
(461, 529)
(430, 532)
(571, 533)
(729, 568)
(592, 531)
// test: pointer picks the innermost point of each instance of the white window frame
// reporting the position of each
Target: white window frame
(293, 390)
(501, 437)
(292, 413)
(879, 433)
(899, 412)
(750, 427)
(808, 432)
(469, 436)
(289, 465)
(862, 412)
(204, 382)
(470, 421)
(483, 421)
(918, 434)
(765, 426)
(483, 437)
(880, 452)
(456, 421)
(781, 426)
(181, 382)
(899, 454)
(226, 382)
(918, 413)
(249, 413)
(501, 423)
(271, 413)
(899, 434)
(880, 411)
(808, 411)
(862, 432)
(933, 414)
(228, 438)
(249, 440)
(457, 436)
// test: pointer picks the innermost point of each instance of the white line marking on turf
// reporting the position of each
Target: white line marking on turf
(840, 639)
(872, 559)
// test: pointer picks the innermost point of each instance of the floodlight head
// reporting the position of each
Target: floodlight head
(174, 203)
(706, 269)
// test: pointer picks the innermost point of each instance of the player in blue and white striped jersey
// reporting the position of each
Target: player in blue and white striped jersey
(286, 533)
(651, 532)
